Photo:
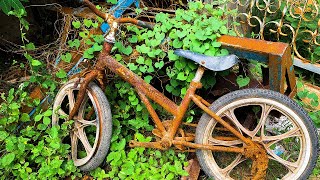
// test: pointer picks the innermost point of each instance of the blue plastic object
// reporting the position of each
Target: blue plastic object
(117, 11)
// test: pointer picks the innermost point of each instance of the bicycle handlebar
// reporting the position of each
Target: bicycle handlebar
(106, 16)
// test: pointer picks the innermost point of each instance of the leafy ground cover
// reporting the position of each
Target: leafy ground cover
(32, 148)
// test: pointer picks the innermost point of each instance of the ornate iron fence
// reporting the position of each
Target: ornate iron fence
(292, 21)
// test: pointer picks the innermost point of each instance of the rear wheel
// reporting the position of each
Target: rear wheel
(273, 120)
(92, 128)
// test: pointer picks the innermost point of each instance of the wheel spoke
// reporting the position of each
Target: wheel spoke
(62, 113)
(273, 139)
(71, 100)
(74, 146)
(84, 140)
(239, 159)
(289, 165)
(230, 114)
(214, 141)
(85, 123)
(266, 109)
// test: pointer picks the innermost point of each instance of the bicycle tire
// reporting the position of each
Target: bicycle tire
(103, 124)
(282, 103)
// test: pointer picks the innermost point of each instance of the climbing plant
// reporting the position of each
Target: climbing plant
(150, 54)
(33, 149)
(8, 5)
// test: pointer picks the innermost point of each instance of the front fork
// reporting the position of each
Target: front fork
(97, 73)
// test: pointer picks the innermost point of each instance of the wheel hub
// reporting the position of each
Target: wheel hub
(260, 159)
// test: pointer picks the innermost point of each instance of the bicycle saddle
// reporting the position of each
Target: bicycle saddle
(214, 63)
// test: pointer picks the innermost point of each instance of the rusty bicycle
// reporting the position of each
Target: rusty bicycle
(252, 131)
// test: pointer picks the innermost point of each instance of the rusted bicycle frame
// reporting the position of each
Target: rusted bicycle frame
(167, 131)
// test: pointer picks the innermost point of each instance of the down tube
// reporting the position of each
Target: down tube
(141, 85)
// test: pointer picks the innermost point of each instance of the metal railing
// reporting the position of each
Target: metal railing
(296, 22)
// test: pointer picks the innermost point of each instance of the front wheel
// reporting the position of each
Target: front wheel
(275, 121)
(92, 128)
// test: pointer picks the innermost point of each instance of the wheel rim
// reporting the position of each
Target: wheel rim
(287, 140)
(84, 135)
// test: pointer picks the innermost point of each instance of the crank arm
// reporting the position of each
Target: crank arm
(155, 145)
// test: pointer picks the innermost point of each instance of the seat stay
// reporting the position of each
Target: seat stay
(214, 63)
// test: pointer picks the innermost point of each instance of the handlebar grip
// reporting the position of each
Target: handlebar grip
(145, 25)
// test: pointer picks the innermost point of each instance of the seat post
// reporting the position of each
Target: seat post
(199, 74)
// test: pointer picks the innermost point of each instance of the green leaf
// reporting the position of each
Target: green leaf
(7, 159)
(47, 113)
(127, 51)
(76, 24)
(172, 56)
(30, 46)
(314, 103)
(159, 65)
(150, 69)
(133, 39)
(61, 74)
(84, 34)
(121, 144)
(140, 60)
(7, 5)
(89, 42)
(242, 81)
(183, 91)
(38, 117)
(160, 36)
(96, 47)
(181, 76)
(74, 43)
(313, 96)
(67, 57)
(200, 35)
(25, 117)
(54, 131)
(3, 135)
(177, 43)
(112, 1)
(224, 52)
(155, 42)
(88, 53)
(180, 64)
(46, 121)
(223, 30)
(132, 67)
(169, 88)
(35, 62)
(216, 44)
(143, 68)
(148, 79)
(143, 49)
(182, 34)
(87, 22)
(55, 144)
(14, 106)
(95, 25)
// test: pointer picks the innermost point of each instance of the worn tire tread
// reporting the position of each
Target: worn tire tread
(252, 93)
